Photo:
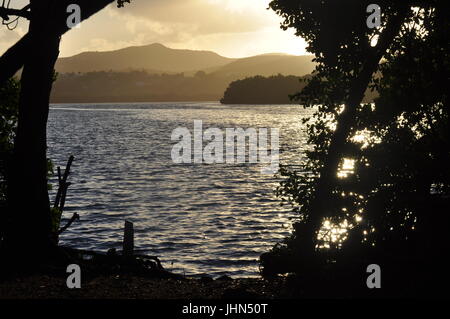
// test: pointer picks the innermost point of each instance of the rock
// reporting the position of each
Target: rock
(224, 278)
(206, 279)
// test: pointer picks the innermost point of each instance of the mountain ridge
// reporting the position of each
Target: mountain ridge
(157, 58)
(148, 57)
(157, 73)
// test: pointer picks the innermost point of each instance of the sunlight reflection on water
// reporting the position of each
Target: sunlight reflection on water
(214, 219)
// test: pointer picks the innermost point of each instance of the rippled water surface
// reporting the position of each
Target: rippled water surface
(215, 219)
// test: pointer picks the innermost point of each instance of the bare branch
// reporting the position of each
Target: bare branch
(14, 58)
(69, 223)
(6, 12)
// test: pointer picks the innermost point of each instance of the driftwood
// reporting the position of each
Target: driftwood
(113, 263)
(63, 185)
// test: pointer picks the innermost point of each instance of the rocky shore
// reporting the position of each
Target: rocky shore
(141, 287)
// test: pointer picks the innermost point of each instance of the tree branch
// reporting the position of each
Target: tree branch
(69, 223)
(13, 59)
(6, 12)
(345, 121)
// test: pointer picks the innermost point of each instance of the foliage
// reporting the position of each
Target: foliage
(262, 90)
(56, 219)
(9, 109)
(121, 3)
(395, 164)
(9, 101)
(138, 86)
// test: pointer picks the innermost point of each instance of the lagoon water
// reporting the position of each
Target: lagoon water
(199, 219)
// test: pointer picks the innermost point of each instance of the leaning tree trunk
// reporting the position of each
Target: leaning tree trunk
(29, 226)
(345, 122)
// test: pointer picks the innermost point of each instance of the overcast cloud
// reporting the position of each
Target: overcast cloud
(234, 28)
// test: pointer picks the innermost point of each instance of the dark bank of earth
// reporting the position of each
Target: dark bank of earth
(113, 276)
(138, 287)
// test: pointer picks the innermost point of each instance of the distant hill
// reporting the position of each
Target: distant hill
(154, 58)
(271, 90)
(157, 73)
(268, 65)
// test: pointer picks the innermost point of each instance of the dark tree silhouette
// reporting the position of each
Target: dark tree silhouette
(14, 58)
(28, 217)
(9, 104)
(395, 152)
(263, 90)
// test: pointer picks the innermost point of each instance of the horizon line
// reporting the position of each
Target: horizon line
(195, 50)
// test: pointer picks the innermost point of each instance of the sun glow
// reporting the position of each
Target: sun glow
(333, 233)
(347, 168)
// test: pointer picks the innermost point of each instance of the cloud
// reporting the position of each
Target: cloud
(9, 37)
(204, 16)
(233, 28)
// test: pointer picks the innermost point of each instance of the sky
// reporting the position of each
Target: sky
(232, 28)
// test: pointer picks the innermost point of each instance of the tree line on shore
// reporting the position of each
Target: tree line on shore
(138, 86)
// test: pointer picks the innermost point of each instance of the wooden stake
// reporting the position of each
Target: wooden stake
(128, 239)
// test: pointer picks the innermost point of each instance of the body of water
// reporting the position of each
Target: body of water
(198, 218)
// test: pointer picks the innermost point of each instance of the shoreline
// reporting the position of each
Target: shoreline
(127, 286)
(114, 276)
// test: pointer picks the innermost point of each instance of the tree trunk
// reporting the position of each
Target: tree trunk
(345, 122)
(29, 226)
